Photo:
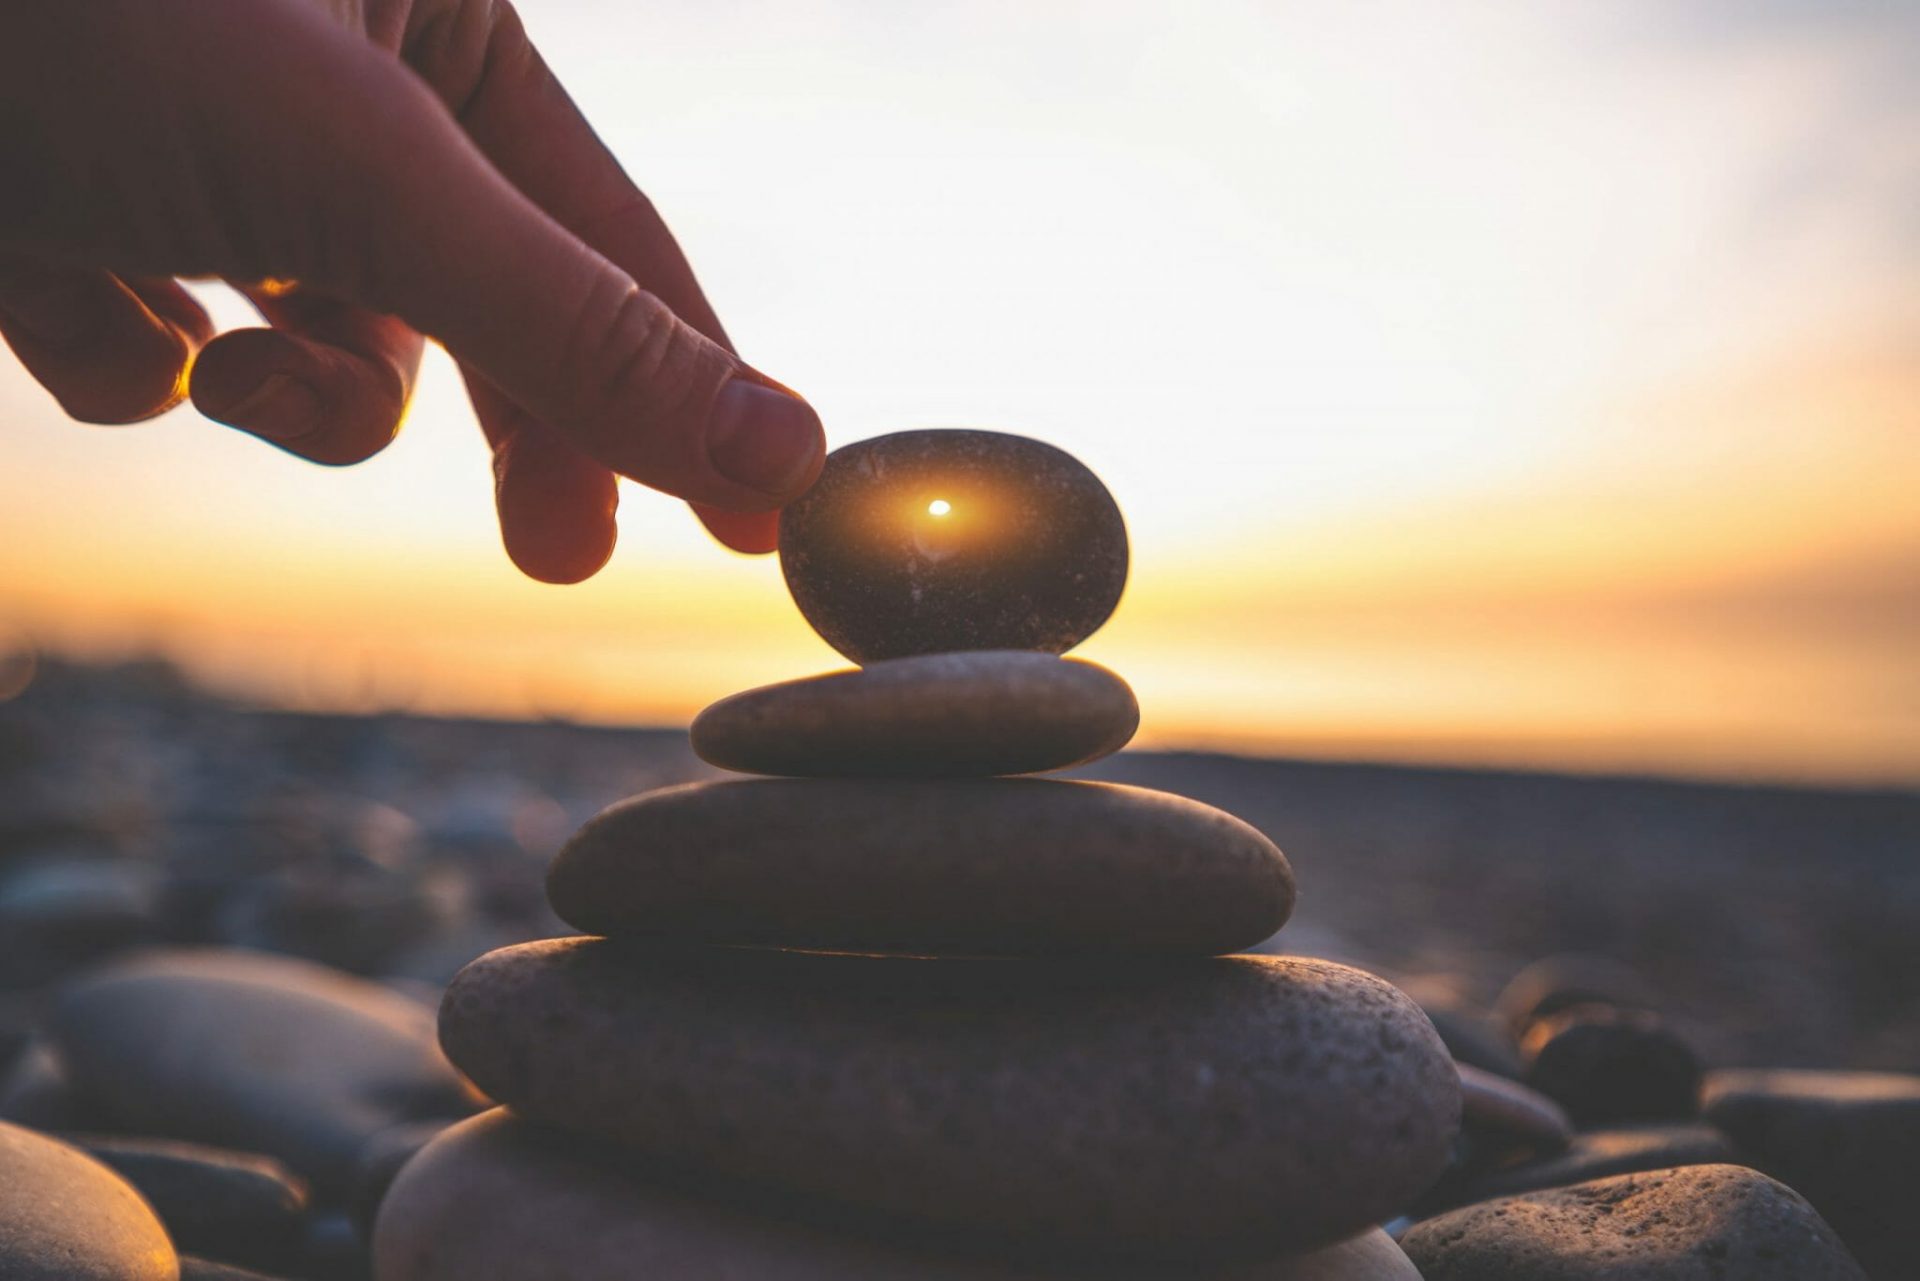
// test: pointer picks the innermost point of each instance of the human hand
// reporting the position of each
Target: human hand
(368, 173)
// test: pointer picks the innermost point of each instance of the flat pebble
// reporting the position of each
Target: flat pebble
(926, 541)
(254, 1052)
(496, 1192)
(1847, 1141)
(951, 867)
(1242, 1105)
(1701, 1223)
(1505, 1113)
(1607, 1065)
(236, 1206)
(66, 1217)
(971, 714)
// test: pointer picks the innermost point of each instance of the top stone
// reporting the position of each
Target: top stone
(927, 541)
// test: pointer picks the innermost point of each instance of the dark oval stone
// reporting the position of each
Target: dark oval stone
(1606, 1066)
(1171, 1109)
(926, 541)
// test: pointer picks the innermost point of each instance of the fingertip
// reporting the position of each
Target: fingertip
(749, 533)
(94, 344)
(765, 439)
(556, 512)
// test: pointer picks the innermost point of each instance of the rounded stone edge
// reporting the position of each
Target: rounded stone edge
(159, 1261)
(717, 739)
(1276, 870)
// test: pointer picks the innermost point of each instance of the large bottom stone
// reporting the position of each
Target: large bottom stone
(497, 1198)
(1172, 1108)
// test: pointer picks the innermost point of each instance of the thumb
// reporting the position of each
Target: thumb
(469, 260)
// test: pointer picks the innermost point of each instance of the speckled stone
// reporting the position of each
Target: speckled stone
(1607, 1066)
(1701, 1223)
(1596, 1154)
(254, 1052)
(1031, 555)
(1241, 1106)
(1003, 867)
(497, 1191)
(66, 1217)
(972, 714)
(236, 1206)
(1847, 1141)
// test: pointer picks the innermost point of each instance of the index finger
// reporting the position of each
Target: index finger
(516, 111)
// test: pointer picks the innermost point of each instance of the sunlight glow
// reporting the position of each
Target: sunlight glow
(1521, 383)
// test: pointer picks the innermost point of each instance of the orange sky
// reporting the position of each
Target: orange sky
(1526, 384)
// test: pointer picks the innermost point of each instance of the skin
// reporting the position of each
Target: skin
(368, 174)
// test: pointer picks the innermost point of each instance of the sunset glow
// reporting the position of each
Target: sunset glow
(1514, 383)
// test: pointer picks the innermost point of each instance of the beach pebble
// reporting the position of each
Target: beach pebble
(950, 867)
(235, 1206)
(926, 541)
(66, 1217)
(1595, 1154)
(254, 1052)
(1700, 1223)
(1507, 1115)
(496, 1191)
(1847, 1141)
(1607, 1066)
(971, 714)
(1173, 1108)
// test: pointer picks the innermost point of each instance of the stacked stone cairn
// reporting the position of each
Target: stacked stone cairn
(898, 1014)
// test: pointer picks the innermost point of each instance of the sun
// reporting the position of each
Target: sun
(939, 507)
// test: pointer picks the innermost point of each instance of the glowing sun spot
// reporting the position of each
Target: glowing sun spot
(939, 507)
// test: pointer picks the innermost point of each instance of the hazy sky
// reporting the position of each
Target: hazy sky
(1531, 382)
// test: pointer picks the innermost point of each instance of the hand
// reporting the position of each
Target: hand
(368, 173)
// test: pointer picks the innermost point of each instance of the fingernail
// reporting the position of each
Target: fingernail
(762, 438)
(53, 317)
(282, 408)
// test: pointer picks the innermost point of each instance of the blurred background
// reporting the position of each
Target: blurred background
(1518, 384)
(1516, 410)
